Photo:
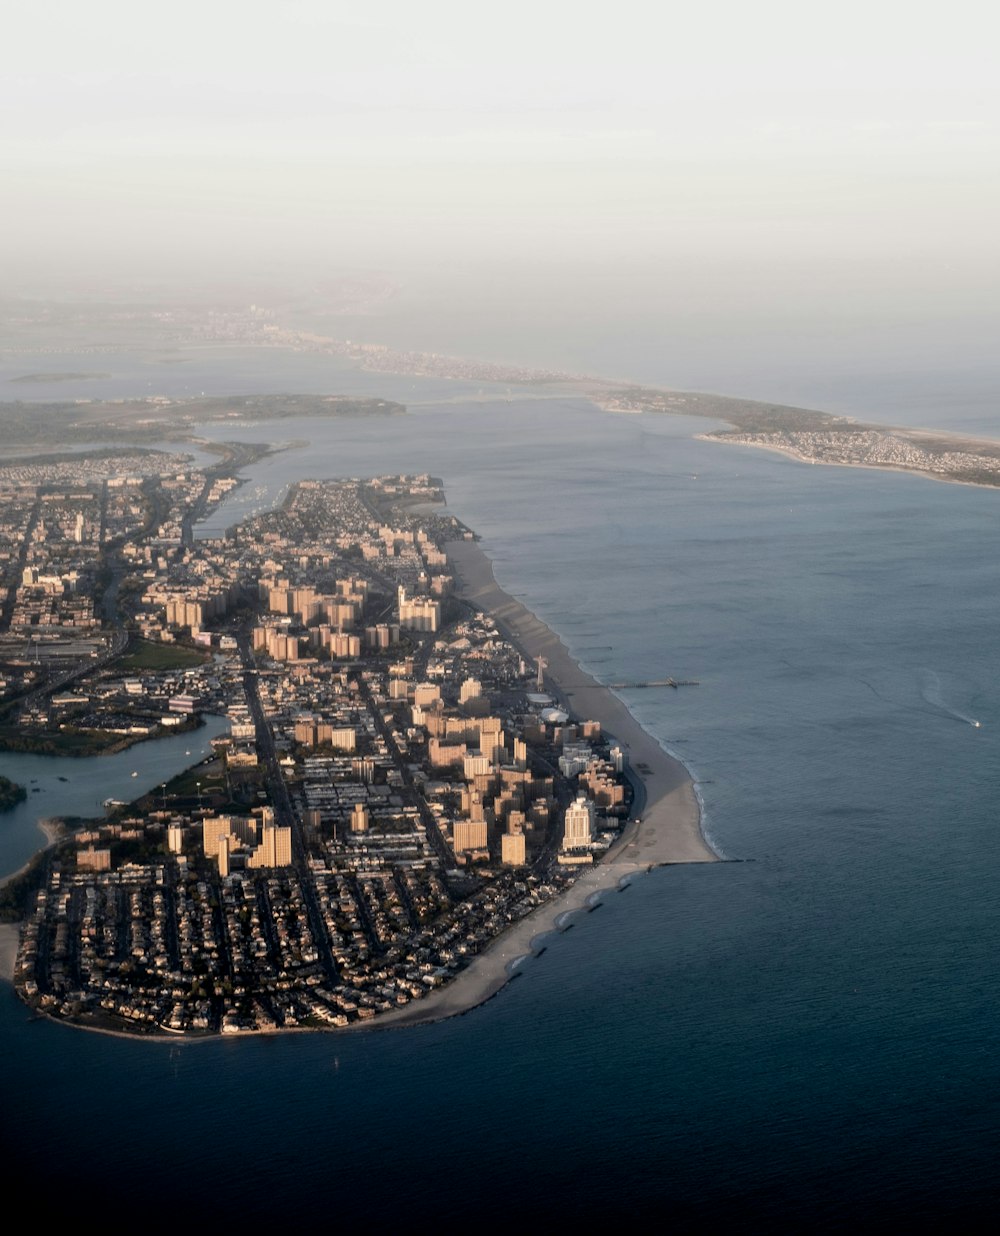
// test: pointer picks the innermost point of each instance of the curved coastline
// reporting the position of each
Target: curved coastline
(789, 451)
(670, 828)
(10, 932)
(665, 827)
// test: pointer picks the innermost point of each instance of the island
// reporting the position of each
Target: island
(11, 794)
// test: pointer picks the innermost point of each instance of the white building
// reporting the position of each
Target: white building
(578, 831)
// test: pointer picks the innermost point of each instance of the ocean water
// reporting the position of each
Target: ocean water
(804, 1035)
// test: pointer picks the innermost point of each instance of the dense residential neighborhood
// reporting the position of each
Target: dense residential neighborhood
(393, 786)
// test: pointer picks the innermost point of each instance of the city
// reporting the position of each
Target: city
(395, 787)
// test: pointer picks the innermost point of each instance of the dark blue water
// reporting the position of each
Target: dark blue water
(806, 1037)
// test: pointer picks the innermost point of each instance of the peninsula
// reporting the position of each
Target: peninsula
(417, 778)
(801, 433)
(818, 437)
(181, 332)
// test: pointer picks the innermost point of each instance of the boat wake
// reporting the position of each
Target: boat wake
(930, 691)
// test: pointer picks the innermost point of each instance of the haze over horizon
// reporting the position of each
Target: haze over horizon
(734, 174)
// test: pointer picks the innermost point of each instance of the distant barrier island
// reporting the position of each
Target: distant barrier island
(59, 377)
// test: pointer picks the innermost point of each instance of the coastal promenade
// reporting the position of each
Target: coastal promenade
(669, 830)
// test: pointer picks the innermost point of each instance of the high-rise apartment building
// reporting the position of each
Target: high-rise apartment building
(578, 830)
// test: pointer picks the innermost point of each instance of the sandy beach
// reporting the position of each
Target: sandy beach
(670, 827)
(791, 452)
(670, 831)
(8, 950)
(9, 931)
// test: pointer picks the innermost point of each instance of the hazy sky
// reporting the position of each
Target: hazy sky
(776, 132)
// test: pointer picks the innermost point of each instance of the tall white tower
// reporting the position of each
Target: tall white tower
(579, 826)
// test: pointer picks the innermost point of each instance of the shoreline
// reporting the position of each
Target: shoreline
(789, 452)
(531, 383)
(10, 933)
(670, 830)
(10, 936)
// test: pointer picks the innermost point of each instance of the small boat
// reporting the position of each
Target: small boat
(135, 774)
